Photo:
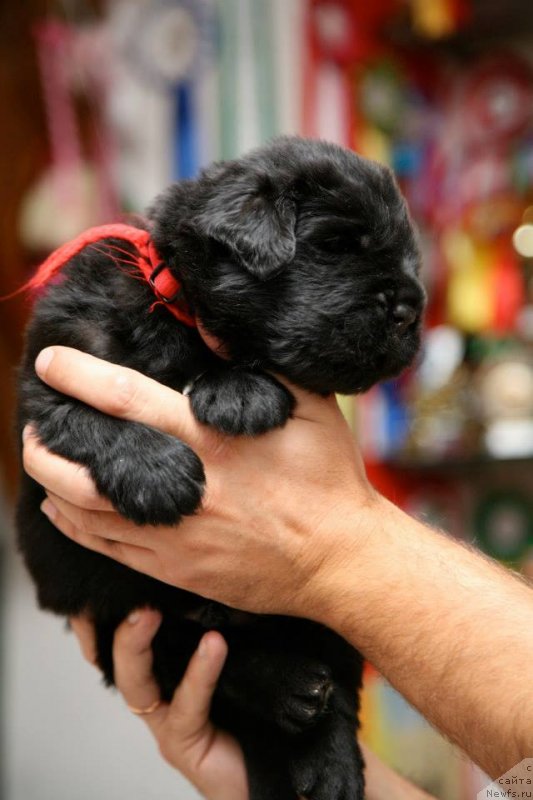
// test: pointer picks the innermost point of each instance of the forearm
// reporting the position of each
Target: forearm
(290, 526)
(448, 628)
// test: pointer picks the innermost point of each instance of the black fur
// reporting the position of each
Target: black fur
(300, 257)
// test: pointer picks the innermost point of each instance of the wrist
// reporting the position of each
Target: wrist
(347, 568)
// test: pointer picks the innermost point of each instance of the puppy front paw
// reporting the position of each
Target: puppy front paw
(150, 477)
(238, 402)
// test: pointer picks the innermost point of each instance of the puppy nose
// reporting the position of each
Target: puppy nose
(404, 315)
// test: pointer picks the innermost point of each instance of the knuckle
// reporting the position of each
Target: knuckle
(217, 445)
(85, 522)
(112, 549)
(71, 530)
(118, 551)
(213, 494)
(87, 495)
(124, 398)
(86, 525)
(119, 647)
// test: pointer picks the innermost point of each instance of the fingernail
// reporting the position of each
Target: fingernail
(134, 617)
(49, 509)
(42, 362)
(203, 648)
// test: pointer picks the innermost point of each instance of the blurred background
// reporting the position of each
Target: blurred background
(103, 104)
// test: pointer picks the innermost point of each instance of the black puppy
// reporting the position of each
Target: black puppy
(301, 259)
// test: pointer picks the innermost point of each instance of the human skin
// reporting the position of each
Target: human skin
(211, 759)
(291, 525)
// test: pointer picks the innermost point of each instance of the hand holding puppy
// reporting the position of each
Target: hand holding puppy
(295, 264)
(329, 548)
(209, 758)
(316, 481)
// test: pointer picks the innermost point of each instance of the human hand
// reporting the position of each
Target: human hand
(276, 508)
(209, 758)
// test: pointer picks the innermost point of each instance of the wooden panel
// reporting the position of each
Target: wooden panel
(23, 153)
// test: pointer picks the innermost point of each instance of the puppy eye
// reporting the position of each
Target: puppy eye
(344, 243)
(338, 245)
(340, 237)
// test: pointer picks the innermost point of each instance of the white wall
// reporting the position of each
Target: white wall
(65, 736)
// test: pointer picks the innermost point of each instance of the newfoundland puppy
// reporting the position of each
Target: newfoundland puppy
(301, 260)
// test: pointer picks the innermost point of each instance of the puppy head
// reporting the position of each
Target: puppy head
(302, 259)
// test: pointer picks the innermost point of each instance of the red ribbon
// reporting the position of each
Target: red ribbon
(167, 288)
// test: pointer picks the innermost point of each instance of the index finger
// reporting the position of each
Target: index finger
(119, 391)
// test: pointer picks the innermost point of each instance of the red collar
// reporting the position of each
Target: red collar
(167, 289)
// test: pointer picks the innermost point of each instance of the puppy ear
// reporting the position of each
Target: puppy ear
(256, 221)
